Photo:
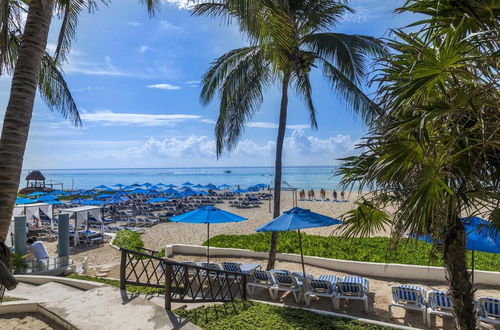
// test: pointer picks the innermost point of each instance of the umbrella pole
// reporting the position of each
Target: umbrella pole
(473, 267)
(208, 242)
(301, 253)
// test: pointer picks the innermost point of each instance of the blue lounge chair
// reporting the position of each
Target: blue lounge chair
(489, 311)
(232, 267)
(353, 288)
(286, 281)
(260, 279)
(324, 286)
(439, 303)
(409, 297)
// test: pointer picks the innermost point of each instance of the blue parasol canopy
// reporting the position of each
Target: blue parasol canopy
(187, 193)
(36, 193)
(208, 215)
(119, 185)
(147, 184)
(170, 191)
(93, 202)
(104, 196)
(224, 185)
(198, 186)
(136, 185)
(21, 200)
(88, 193)
(78, 201)
(260, 185)
(187, 184)
(46, 198)
(56, 192)
(54, 202)
(101, 187)
(139, 191)
(158, 200)
(297, 219)
(170, 185)
(117, 200)
(119, 194)
(202, 192)
(240, 191)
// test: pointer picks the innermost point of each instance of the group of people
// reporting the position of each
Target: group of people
(311, 195)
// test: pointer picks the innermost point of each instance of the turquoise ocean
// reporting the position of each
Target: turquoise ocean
(299, 177)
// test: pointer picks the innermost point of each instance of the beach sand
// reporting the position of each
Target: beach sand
(27, 321)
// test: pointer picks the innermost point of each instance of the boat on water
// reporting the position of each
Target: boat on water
(227, 171)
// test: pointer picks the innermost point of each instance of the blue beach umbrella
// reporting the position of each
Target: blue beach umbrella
(260, 185)
(93, 202)
(136, 185)
(56, 192)
(117, 200)
(88, 193)
(160, 184)
(208, 215)
(139, 191)
(21, 200)
(240, 191)
(170, 191)
(187, 193)
(46, 198)
(147, 184)
(104, 196)
(119, 185)
(36, 193)
(297, 219)
(78, 201)
(187, 184)
(202, 192)
(158, 200)
(54, 202)
(224, 185)
(170, 185)
(198, 186)
(480, 236)
(129, 187)
(210, 185)
(101, 187)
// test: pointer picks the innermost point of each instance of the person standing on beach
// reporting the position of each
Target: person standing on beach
(334, 195)
(312, 194)
(322, 193)
(342, 196)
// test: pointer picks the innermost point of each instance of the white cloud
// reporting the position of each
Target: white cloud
(208, 121)
(134, 24)
(144, 49)
(167, 87)
(192, 83)
(109, 118)
(107, 68)
(166, 25)
(181, 4)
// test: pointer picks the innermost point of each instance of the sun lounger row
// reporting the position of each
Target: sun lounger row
(437, 302)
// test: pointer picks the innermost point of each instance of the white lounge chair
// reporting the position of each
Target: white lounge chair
(285, 281)
(324, 286)
(438, 303)
(260, 279)
(489, 311)
(409, 297)
(353, 288)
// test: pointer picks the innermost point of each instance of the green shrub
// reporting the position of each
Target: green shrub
(128, 239)
(373, 249)
(253, 315)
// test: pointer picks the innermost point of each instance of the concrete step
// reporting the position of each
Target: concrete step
(46, 292)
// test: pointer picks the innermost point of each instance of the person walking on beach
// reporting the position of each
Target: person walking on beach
(312, 194)
(334, 195)
(342, 196)
(302, 194)
(322, 193)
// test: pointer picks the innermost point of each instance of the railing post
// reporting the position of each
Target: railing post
(123, 270)
(168, 286)
(244, 290)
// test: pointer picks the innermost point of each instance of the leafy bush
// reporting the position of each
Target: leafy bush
(253, 315)
(128, 239)
(373, 249)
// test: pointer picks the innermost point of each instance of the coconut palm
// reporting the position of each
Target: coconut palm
(287, 40)
(434, 153)
(23, 55)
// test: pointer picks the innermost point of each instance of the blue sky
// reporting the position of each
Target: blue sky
(136, 82)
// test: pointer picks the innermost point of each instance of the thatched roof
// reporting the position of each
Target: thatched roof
(35, 175)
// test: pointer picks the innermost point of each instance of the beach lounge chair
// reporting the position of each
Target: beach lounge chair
(489, 311)
(324, 286)
(232, 267)
(286, 281)
(260, 279)
(409, 297)
(353, 288)
(438, 303)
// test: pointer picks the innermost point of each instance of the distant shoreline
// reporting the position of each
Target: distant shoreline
(174, 168)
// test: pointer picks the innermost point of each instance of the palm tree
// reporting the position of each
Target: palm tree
(287, 40)
(23, 54)
(434, 153)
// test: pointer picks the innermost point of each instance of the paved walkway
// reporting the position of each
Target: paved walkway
(104, 307)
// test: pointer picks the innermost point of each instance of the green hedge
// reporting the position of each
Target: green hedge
(128, 239)
(116, 284)
(375, 249)
(252, 315)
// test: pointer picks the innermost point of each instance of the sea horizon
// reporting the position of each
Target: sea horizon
(301, 177)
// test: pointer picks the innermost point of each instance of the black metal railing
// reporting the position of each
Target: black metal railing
(182, 282)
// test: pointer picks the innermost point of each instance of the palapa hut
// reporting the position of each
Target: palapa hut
(35, 179)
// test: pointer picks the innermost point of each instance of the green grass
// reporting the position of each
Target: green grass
(375, 249)
(253, 315)
(116, 283)
(7, 299)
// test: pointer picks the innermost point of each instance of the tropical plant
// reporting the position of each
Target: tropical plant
(287, 40)
(434, 152)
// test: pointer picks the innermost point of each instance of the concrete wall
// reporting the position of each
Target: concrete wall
(40, 279)
(370, 269)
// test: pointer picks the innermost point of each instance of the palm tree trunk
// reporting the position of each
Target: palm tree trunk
(278, 167)
(20, 107)
(461, 290)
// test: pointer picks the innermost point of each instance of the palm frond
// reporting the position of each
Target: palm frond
(350, 93)
(364, 221)
(55, 92)
(304, 89)
(152, 6)
(347, 52)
